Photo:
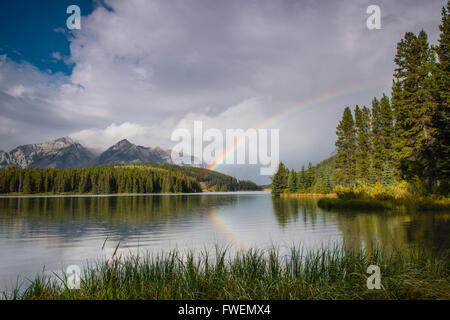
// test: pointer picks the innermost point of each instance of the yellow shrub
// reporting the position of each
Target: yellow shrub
(399, 190)
(347, 193)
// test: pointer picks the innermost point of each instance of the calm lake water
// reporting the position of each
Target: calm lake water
(59, 231)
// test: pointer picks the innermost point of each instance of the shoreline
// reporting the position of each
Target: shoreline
(308, 195)
(74, 195)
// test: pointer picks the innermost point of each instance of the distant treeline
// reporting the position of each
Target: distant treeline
(96, 180)
(136, 178)
(213, 180)
(405, 138)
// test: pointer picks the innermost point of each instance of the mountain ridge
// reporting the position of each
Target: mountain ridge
(64, 152)
(126, 152)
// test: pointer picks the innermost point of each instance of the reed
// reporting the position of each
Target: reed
(328, 273)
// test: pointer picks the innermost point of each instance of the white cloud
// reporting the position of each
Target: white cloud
(56, 55)
(101, 139)
(16, 91)
(244, 115)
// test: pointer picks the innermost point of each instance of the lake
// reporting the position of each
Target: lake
(57, 231)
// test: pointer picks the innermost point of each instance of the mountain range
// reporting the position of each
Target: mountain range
(67, 153)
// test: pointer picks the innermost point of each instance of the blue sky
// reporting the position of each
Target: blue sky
(27, 31)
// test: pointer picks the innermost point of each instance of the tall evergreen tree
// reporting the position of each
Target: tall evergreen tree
(292, 181)
(27, 187)
(442, 94)
(382, 125)
(279, 182)
(346, 147)
(387, 130)
(414, 107)
(363, 138)
(387, 178)
(301, 180)
(377, 141)
(310, 176)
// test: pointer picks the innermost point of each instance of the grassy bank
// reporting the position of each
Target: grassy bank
(372, 204)
(307, 195)
(255, 274)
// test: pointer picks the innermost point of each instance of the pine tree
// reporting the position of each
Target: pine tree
(346, 146)
(310, 176)
(363, 149)
(279, 182)
(374, 174)
(301, 180)
(387, 177)
(377, 142)
(414, 106)
(292, 181)
(27, 186)
(441, 119)
(387, 130)
(382, 126)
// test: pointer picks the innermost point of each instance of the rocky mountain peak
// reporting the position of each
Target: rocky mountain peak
(122, 144)
(60, 153)
(66, 140)
(126, 152)
(4, 159)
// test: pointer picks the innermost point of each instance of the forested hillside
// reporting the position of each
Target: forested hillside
(135, 178)
(402, 139)
(213, 180)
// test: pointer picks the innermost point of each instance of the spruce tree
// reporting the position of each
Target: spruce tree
(292, 181)
(382, 126)
(414, 106)
(441, 119)
(301, 180)
(363, 149)
(377, 142)
(27, 185)
(346, 147)
(310, 177)
(387, 177)
(387, 130)
(279, 180)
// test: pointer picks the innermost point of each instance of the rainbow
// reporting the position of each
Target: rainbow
(224, 228)
(269, 122)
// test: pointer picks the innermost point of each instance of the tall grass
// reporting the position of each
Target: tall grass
(333, 273)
